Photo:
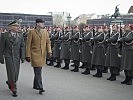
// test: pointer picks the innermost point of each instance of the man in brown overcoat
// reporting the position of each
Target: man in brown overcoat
(37, 45)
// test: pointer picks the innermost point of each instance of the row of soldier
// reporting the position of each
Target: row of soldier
(97, 48)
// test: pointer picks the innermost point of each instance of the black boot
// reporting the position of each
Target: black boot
(73, 65)
(129, 81)
(125, 81)
(113, 77)
(93, 68)
(51, 63)
(58, 65)
(105, 70)
(14, 93)
(83, 66)
(75, 69)
(95, 75)
(66, 67)
(41, 91)
(109, 78)
(98, 74)
(86, 72)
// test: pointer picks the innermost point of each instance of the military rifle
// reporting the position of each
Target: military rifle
(120, 43)
(71, 35)
(93, 30)
(120, 31)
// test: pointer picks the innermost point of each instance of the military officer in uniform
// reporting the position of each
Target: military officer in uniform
(12, 50)
(51, 33)
(65, 48)
(37, 45)
(127, 54)
(75, 54)
(113, 59)
(106, 30)
(98, 56)
(86, 50)
(57, 46)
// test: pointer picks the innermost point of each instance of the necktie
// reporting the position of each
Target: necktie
(14, 35)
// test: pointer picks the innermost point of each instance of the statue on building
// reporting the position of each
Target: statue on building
(116, 13)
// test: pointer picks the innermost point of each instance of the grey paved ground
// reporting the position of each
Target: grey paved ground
(65, 85)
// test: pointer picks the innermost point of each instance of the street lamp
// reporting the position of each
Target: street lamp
(20, 20)
(51, 13)
(69, 19)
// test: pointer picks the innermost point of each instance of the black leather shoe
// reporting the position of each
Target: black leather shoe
(41, 91)
(124, 82)
(99, 75)
(50, 64)
(105, 71)
(36, 88)
(72, 65)
(86, 72)
(14, 94)
(113, 78)
(58, 66)
(75, 70)
(129, 82)
(95, 75)
(82, 66)
(8, 85)
(65, 67)
(109, 78)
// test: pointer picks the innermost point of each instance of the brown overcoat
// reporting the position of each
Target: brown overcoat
(37, 45)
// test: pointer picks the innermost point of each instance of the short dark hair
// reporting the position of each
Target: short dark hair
(39, 21)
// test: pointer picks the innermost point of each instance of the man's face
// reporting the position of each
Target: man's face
(15, 28)
(106, 29)
(100, 30)
(87, 29)
(76, 29)
(58, 29)
(127, 28)
(40, 25)
(115, 28)
(68, 29)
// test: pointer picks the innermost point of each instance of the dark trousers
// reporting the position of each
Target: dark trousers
(87, 65)
(67, 61)
(99, 68)
(38, 78)
(128, 73)
(76, 63)
(114, 70)
(58, 60)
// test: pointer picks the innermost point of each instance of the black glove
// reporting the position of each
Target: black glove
(2, 61)
(49, 55)
(27, 59)
(22, 61)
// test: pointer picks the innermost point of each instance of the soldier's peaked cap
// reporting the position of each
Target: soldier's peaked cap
(15, 22)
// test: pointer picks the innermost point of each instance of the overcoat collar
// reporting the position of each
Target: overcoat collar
(12, 40)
